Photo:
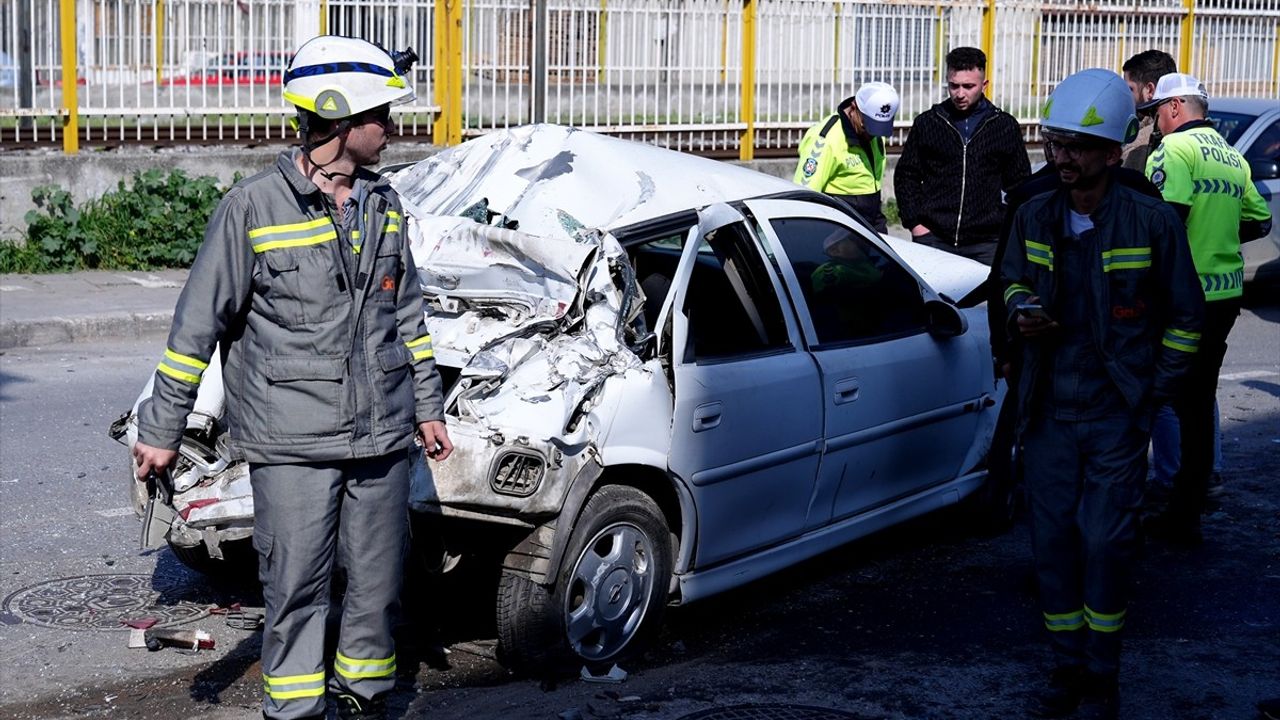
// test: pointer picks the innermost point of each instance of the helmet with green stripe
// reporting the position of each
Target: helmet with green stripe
(1095, 103)
(337, 77)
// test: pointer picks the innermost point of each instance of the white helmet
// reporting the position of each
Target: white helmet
(1092, 102)
(338, 77)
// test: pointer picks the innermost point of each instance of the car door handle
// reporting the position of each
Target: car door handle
(846, 391)
(706, 416)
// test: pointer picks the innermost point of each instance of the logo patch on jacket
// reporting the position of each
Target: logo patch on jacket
(810, 166)
(1157, 178)
(388, 282)
(1122, 312)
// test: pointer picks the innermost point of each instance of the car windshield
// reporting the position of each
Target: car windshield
(1231, 125)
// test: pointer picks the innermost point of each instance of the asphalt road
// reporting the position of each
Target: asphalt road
(926, 620)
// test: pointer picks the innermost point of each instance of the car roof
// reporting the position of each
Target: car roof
(1241, 105)
(555, 179)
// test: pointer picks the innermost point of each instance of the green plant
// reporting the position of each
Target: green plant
(155, 222)
(891, 215)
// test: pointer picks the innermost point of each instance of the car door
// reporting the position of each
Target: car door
(747, 423)
(900, 405)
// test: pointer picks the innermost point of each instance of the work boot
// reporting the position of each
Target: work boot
(1061, 697)
(1100, 699)
(352, 707)
(1177, 529)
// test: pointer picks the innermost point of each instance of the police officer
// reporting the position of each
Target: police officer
(1210, 186)
(305, 279)
(1099, 285)
(849, 164)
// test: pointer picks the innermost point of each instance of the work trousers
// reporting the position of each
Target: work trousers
(306, 516)
(1194, 406)
(1084, 488)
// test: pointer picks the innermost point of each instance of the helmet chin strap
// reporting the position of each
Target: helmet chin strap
(307, 147)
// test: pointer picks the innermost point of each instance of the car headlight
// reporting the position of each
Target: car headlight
(517, 473)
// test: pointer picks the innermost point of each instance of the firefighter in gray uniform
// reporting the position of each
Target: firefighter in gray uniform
(306, 280)
(1098, 281)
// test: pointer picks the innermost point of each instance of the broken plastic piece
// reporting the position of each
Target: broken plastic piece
(615, 675)
(157, 638)
(140, 623)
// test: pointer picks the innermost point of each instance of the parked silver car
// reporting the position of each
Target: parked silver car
(1252, 126)
(669, 376)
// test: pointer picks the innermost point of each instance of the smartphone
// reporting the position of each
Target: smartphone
(1032, 310)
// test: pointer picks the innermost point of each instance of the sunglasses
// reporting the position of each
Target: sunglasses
(380, 115)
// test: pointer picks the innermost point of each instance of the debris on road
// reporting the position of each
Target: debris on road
(157, 638)
(615, 675)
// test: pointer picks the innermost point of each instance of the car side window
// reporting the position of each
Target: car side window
(1267, 146)
(855, 291)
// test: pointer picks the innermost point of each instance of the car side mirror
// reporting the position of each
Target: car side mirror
(1264, 169)
(944, 320)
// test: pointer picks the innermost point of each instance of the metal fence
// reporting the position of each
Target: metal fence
(714, 76)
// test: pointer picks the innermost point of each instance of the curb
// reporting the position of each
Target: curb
(51, 331)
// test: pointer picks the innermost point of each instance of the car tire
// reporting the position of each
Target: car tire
(997, 503)
(609, 595)
(239, 560)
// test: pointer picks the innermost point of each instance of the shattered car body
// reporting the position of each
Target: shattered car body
(669, 376)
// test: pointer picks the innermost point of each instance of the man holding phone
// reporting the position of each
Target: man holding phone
(1099, 285)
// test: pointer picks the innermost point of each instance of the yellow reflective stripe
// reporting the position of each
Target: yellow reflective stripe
(1181, 340)
(1126, 258)
(292, 227)
(1040, 254)
(352, 668)
(355, 234)
(1064, 621)
(298, 242)
(176, 374)
(1014, 289)
(292, 687)
(355, 249)
(1104, 622)
(392, 214)
(185, 360)
(424, 354)
(425, 339)
(393, 227)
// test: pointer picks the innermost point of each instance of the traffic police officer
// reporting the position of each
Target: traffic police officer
(1210, 186)
(1099, 284)
(849, 164)
(306, 280)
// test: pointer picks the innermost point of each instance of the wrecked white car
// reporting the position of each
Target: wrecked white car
(666, 377)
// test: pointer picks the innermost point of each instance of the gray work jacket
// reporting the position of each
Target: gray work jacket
(1142, 294)
(316, 367)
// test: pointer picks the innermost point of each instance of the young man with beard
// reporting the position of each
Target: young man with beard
(959, 156)
(1101, 292)
(1141, 73)
(306, 282)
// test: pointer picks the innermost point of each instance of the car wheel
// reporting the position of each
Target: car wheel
(997, 502)
(239, 560)
(609, 595)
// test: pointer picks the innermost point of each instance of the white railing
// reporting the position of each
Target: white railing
(158, 71)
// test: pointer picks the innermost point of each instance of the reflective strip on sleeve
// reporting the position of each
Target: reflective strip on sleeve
(393, 227)
(1104, 622)
(353, 669)
(1181, 340)
(1040, 254)
(293, 687)
(181, 367)
(393, 221)
(421, 348)
(274, 237)
(1014, 289)
(1126, 259)
(393, 215)
(1064, 621)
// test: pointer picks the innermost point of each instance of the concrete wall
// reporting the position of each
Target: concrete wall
(93, 172)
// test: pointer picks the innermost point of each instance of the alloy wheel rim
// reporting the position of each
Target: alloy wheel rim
(608, 592)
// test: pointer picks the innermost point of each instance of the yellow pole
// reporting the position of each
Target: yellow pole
(989, 43)
(159, 28)
(835, 49)
(940, 42)
(1275, 64)
(1186, 35)
(324, 17)
(1035, 59)
(747, 145)
(440, 73)
(70, 75)
(454, 107)
(601, 54)
(1120, 49)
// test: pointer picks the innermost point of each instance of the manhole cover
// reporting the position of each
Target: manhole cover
(101, 602)
(772, 712)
